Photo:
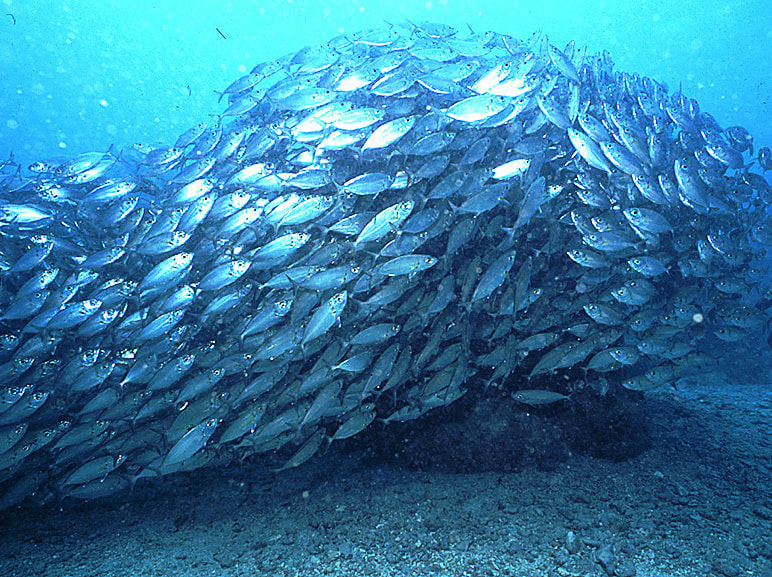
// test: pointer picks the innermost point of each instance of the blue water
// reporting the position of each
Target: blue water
(79, 76)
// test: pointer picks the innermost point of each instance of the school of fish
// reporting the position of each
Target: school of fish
(369, 229)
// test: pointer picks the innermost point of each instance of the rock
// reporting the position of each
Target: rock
(572, 543)
(625, 568)
(725, 567)
(606, 558)
(225, 556)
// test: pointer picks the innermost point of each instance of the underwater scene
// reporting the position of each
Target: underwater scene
(382, 289)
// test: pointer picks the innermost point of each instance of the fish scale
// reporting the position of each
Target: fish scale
(371, 198)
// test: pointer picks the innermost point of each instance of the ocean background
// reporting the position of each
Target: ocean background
(81, 76)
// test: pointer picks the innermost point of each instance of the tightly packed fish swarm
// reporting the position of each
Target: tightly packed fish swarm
(370, 228)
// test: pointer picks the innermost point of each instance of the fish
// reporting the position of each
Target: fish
(366, 231)
(192, 442)
(536, 397)
(494, 276)
(389, 133)
(325, 316)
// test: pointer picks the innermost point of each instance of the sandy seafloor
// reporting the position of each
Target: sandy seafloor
(698, 503)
